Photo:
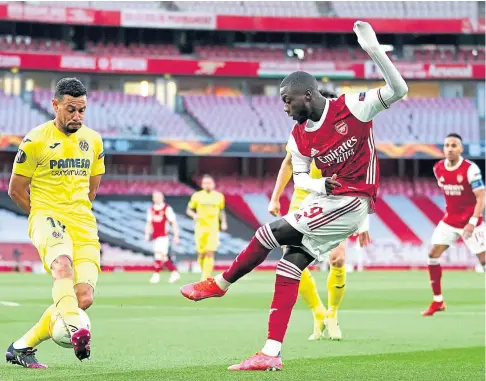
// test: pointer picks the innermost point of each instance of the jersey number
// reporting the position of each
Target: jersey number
(313, 212)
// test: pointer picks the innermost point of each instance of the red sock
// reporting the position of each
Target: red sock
(253, 255)
(284, 298)
(158, 266)
(170, 266)
(435, 274)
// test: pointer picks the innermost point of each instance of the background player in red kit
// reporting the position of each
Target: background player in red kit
(337, 134)
(463, 187)
(159, 216)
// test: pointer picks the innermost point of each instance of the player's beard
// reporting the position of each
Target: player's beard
(69, 130)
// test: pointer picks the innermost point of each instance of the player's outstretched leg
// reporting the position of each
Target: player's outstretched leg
(435, 274)
(22, 351)
(66, 301)
(267, 238)
(289, 271)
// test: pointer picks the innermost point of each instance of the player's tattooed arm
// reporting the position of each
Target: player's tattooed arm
(18, 191)
(94, 183)
(283, 178)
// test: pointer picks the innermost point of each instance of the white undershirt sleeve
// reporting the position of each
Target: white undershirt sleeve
(301, 170)
(474, 177)
(170, 214)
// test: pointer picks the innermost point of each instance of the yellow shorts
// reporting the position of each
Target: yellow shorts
(52, 238)
(207, 241)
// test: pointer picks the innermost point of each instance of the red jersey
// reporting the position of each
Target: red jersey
(159, 216)
(458, 184)
(342, 143)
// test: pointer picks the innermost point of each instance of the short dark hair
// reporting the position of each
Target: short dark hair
(454, 135)
(300, 81)
(70, 86)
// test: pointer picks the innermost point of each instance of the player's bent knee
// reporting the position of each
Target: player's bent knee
(62, 267)
(337, 258)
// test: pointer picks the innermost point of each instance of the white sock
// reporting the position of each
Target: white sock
(272, 348)
(20, 344)
(438, 298)
(221, 282)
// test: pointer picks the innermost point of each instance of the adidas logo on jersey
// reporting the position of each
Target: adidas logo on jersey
(314, 152)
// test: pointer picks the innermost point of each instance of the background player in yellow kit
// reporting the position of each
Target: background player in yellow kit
(62, 161)
(336, 279)
(206, 207)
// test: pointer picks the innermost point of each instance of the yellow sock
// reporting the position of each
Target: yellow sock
(335, 289)
(208, 267)
(66, 302)
(308, 292)
(40, 331)
(201, 260)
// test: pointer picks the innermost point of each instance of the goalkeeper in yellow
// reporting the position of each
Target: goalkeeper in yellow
(206, 207)
(336, 280)
(62, 161)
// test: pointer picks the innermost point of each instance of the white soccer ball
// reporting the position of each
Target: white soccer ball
(60, 332)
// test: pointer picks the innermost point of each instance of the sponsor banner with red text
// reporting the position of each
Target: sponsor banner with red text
(423, 70)
(139, 18)
(133, 65)
(189, 20)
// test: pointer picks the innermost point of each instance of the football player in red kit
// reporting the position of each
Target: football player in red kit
(463, 188)
(337, 135)
(159, 216)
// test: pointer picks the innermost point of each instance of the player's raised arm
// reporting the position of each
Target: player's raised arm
(283, 178)
(366, 105)
(171, 217)
(301, 171)
(477, 185)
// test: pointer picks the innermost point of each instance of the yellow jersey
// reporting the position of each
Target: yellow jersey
(299, 194)
(60, 168)
(208, 205)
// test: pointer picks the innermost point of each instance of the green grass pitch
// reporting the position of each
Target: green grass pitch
(150, 332)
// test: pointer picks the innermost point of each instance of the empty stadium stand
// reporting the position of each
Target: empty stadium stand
(113, 112)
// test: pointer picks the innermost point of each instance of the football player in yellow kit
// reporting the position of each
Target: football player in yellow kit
(206, 207)
(62, 162)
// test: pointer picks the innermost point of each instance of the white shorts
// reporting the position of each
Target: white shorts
(326, 221)
(447, 235)
(161, 248)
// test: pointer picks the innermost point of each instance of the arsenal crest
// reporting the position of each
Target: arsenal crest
(83, 145)
(341, 127)
(459, 179)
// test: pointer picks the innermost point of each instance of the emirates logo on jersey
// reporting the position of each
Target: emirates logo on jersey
(460, 179)
(341, 127)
